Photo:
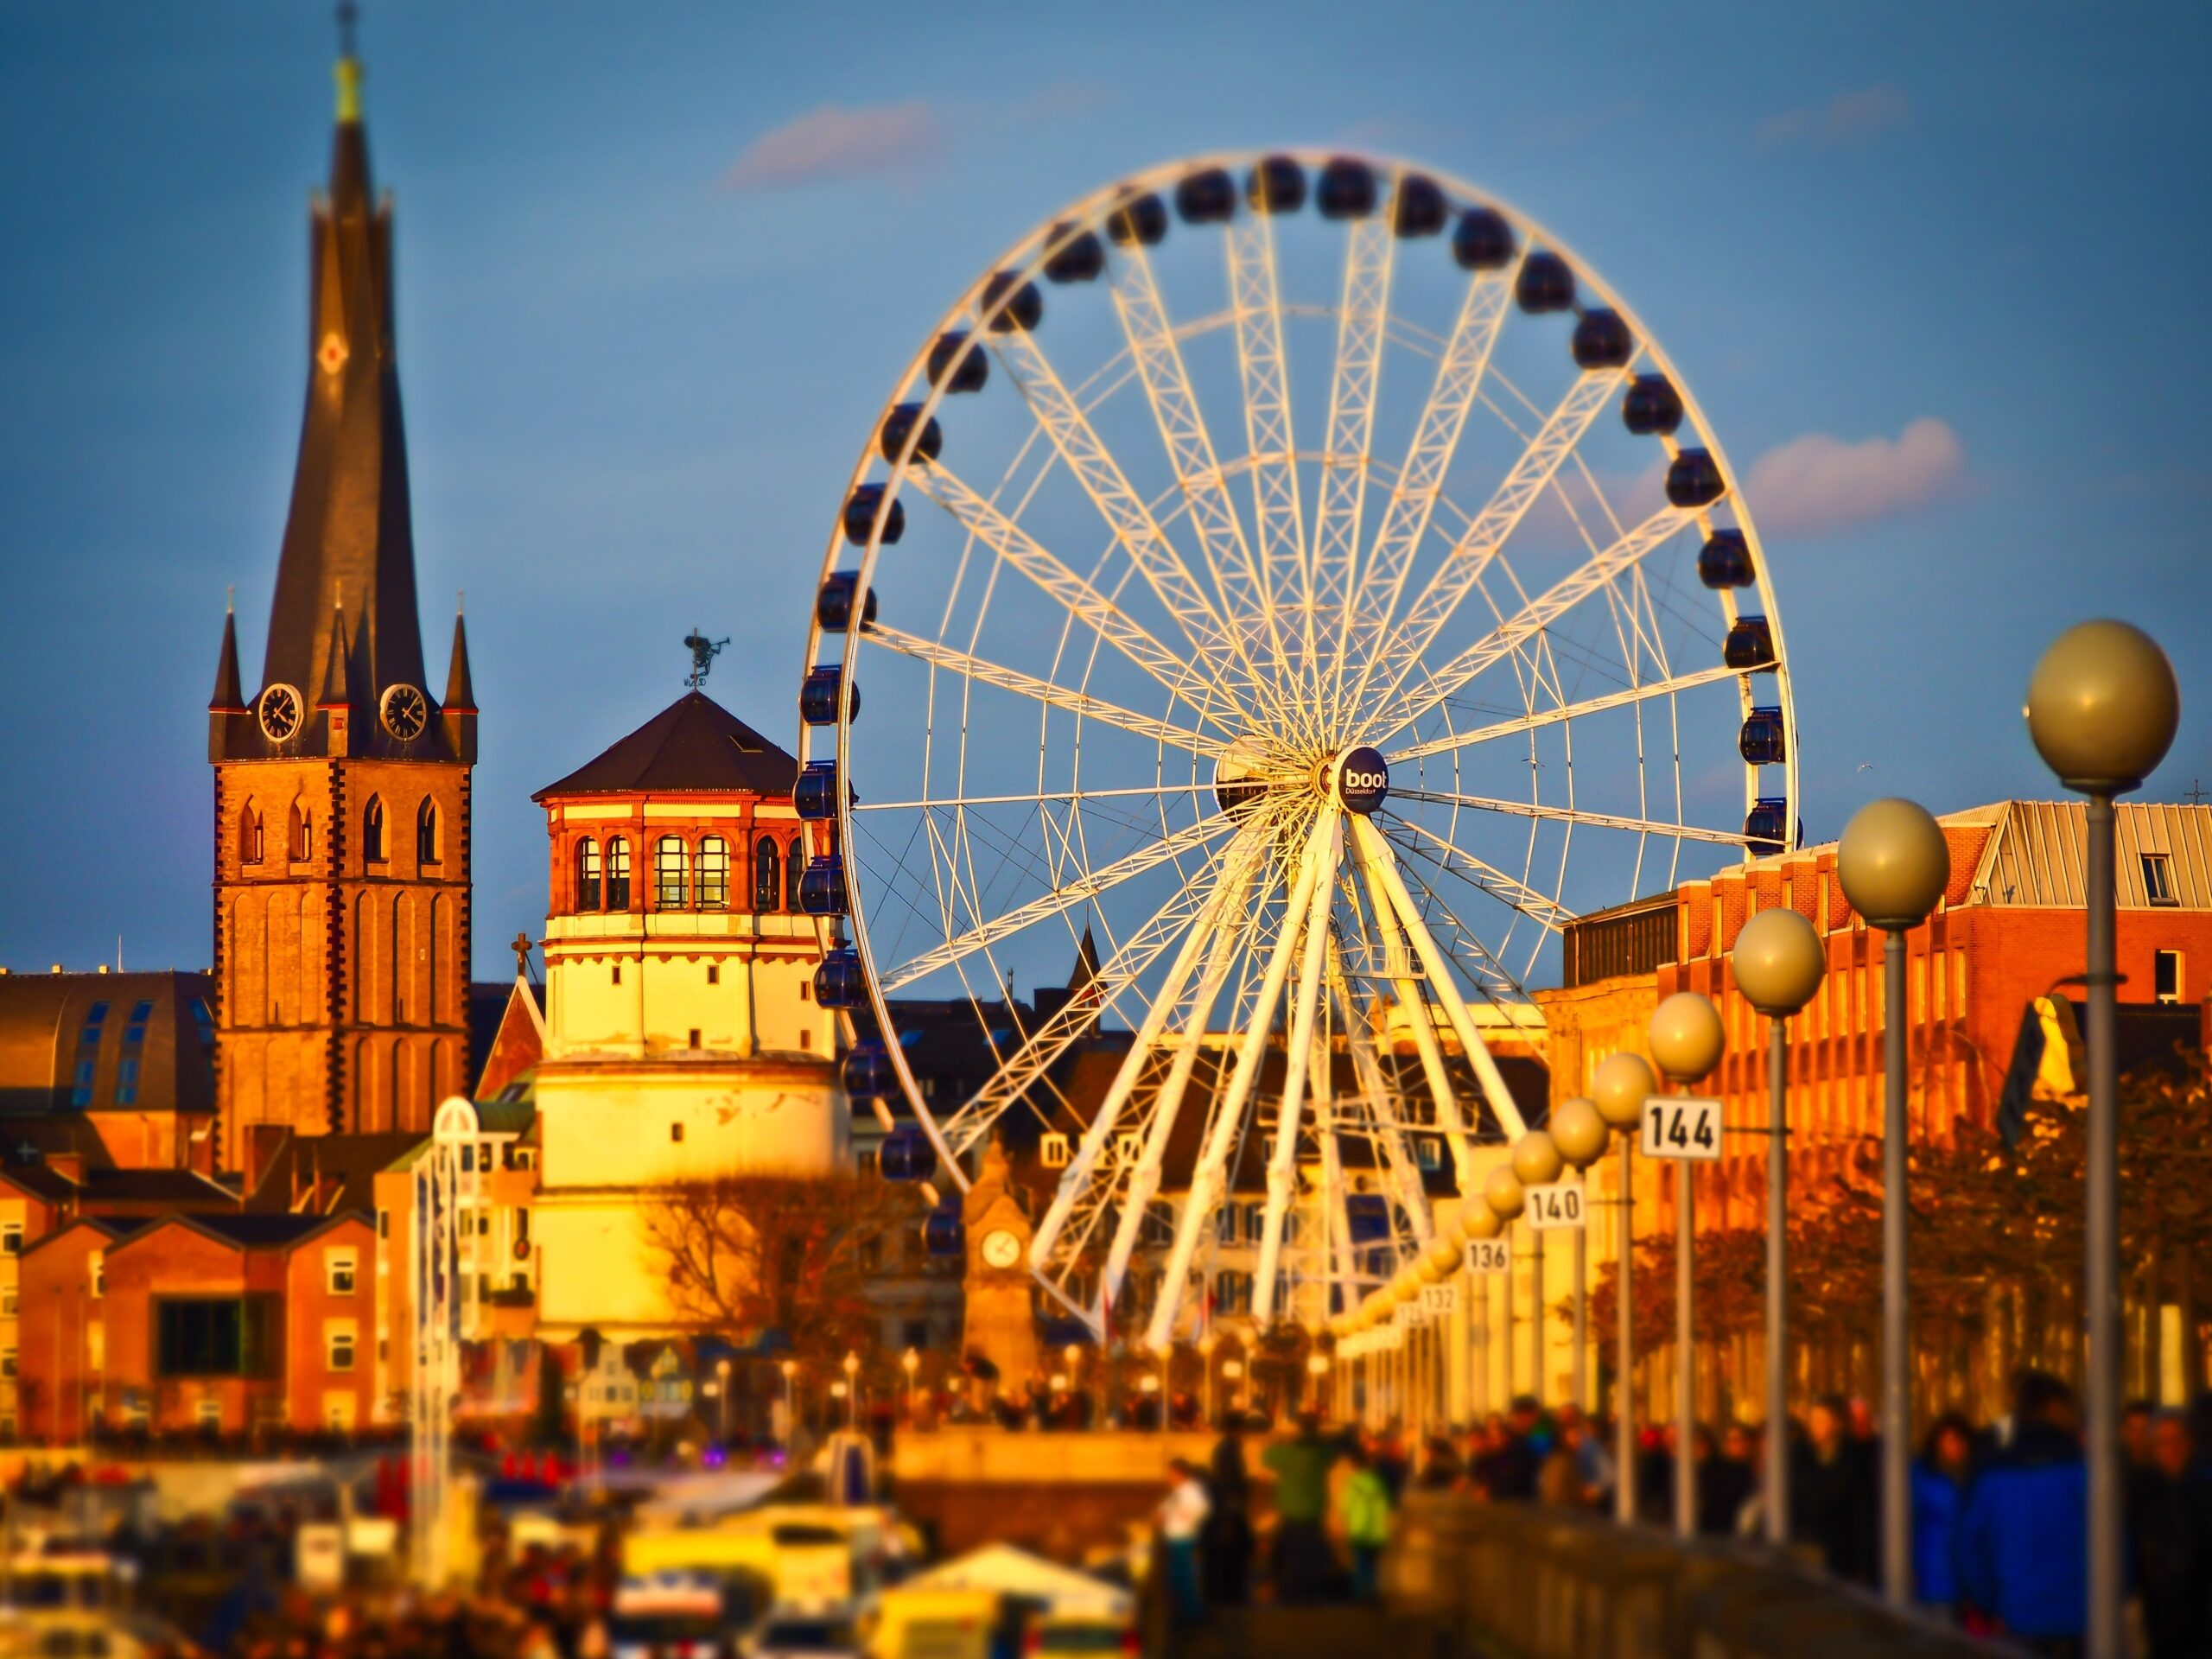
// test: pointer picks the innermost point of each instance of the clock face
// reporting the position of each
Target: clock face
(405, 712)
(1000, 1248)
(280, 712)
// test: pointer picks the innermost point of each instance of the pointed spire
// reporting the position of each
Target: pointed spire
(230, 692)
(460, 690)
(337, 679)
(1082, 983)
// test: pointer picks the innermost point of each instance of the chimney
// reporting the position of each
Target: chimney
(265, 1143)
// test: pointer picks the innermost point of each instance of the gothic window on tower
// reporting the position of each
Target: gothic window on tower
(713, 873)
(618, 873)
(669, 872)
(299, 834)
(794, 870)
(426, 833)
(372, 832)
(248, 836)
(587, 874)
(767, 874)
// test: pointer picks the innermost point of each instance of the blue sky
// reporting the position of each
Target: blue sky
(656, 275)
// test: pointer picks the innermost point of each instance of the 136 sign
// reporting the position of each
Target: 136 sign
(1681, 1126)
(1559, 1205)
(1489, 1255)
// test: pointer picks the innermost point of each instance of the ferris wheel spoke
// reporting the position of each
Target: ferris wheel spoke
(1061, 899)
(1016, 547)
(1471, 554)
(1124, 511)
(1375, 1090)
(1082, 705)
(1391, 895)
(1523, 724)
(1282, 1168)
(1206, 1186)
(1158, 359)
(1546, 912)
(1270, 440)
(955, 803)
(1360, 320)
(1394, 713)
(1575, 815)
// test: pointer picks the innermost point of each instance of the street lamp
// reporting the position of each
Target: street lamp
(910, 1362)
(2102, 706)
(1207, 1344)
(1618, 1088)
(1072, 1356)
(722, 1372)
(1537, 1162)
(851, 1366)
(1686, 1040)
(1893, 863)
(789, 1368)
(1317, 1367)
(1779, 963)
(1579, 1132)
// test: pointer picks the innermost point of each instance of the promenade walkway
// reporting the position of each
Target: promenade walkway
(1314, 1632)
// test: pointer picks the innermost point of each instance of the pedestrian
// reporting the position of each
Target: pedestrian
(2024, 1534)
(1509, 1472)
(1365, 1511)
(1831, 1493)
(1939, 1492)
(1302, 1562)
(1226, 1544)
(1181, 1516)
(1724, 1481)
(2169, 1540)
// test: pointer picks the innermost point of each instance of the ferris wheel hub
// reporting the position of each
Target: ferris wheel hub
(1363, 780)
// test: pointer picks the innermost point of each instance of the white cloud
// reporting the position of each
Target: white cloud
(1816, 485)
(831, 142)
(1852, 117)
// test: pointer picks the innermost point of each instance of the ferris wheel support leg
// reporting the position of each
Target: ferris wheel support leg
(1282, 1169)
(1378, 857)
(1389, 1129)
(1221, 1136)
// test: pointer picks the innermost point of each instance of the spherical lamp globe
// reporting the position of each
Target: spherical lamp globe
(1687, 1036)
(1503, 1191)
(1619, 1086)
(1444, 1256)
(1479, 1220)
(1429, 1272)
(1406, 1288)
(1579, 1132)
(1779, 961)
(1893, 863)
(1536, 1160)
(2102, 706)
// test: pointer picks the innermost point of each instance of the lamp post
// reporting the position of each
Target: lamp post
(1537, 1162)
(2102, 706)
(1893, 864)
(1207, 1344)
(851, 1366)
(1686, 1040)
(910, 1362)
(1232, 1372)
(1579, 1130)
(1072, 1357)
(789, 1368)
(1503, 1192)
(1618, 1088)
(722, 1375)
(1779, 962)
(1317, 1367)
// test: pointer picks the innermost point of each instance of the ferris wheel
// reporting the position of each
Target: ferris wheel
(1299, 577)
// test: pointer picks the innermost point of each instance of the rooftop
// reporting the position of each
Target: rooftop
(695, 746)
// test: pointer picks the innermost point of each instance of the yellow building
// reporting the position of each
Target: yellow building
(682, 1039)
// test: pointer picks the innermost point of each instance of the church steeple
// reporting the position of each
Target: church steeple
(349, 535)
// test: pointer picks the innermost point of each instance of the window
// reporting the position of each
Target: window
(11, 1238)
(1053, 1150)
(1428, 1151)
(618, 873)
(670, 866)
(1128, 1148)
(339, 1269)
(675, 1135)
(767, 874)
(2158, 879)
(88, 1052)
(1232, 1292)
(134, 1034)
(299, 834)
(96, 1268)
(203, 1022)
(7, 1362)
(339, 1337)
(8, 1304)
(617, 974)
(426, 833)
(213, 1335)
(2165, 976)
(587, 875)
(713, 873)
(81, 1087)
(372, 832)
(794, 869)
(694, 1038)
(248, 836)
(126, 1082)
(714, 974)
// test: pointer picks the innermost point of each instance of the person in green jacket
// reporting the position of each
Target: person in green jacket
(1303, 1564)
(1365, 1505)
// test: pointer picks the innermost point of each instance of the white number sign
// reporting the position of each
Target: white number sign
(1681, 1126)
(1439, 1301)
(1490, 1255)
(1559, 1205)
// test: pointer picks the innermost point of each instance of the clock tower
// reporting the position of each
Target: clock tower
(342, 879)
(1001, 1317)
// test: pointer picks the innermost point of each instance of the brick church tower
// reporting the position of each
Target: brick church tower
(342, 786)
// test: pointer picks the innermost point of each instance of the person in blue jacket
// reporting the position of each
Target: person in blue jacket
(1939, 1492)
(2024, 1536)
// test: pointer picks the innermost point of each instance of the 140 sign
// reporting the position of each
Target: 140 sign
(1559, 1205)
(1681, 1126)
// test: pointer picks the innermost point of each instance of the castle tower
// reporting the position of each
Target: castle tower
(341, 786)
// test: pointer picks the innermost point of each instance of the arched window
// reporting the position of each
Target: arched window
(618, 873)
(794, 868)
(713, 873)
(372, 832)
(426, 832)
(670, 868)
(299, 835)
(248, 836)
(587, 875)
(767, 874)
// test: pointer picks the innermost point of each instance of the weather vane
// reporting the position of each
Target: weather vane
(702, 652)
(348, 12)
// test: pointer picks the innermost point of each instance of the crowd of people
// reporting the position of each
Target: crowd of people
(1999, 1509)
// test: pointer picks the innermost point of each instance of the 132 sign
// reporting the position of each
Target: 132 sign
(1489, 1255)
(1559, 1205)
(1681, 1126)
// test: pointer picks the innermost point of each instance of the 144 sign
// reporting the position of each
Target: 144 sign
(1559, 1205)
(1681, 1126)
